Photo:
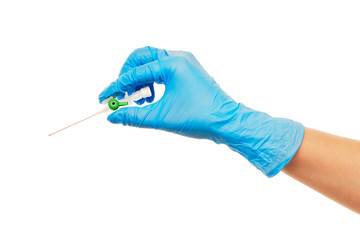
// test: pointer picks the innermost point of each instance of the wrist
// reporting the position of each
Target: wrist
(268, 143)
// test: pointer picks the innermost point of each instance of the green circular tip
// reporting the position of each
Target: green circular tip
(113, 104)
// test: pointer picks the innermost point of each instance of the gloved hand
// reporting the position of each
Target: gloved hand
(194, 105)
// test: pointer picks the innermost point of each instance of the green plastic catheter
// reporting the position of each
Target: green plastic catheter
(113, 104)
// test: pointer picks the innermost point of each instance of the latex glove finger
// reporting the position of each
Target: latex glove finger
(133, 116)
(128, 82)
(140, 57)
(148, 99)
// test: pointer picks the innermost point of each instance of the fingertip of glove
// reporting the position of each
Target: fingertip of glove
(111, 118)
(117, 117)
(150, 99)
(101, 97)
(140, 102)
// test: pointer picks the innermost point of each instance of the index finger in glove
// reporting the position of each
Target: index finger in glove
(137, 76)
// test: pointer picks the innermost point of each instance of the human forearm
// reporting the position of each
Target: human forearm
(330, 165)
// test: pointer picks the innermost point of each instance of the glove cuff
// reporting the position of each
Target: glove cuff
(268, 143)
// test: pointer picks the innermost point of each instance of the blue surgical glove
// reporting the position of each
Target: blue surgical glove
(194, 105)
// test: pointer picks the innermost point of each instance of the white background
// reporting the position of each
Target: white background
(293, 59)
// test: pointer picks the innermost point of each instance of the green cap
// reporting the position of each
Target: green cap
(114, 104)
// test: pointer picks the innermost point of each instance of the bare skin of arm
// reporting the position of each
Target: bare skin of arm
(330, 165)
